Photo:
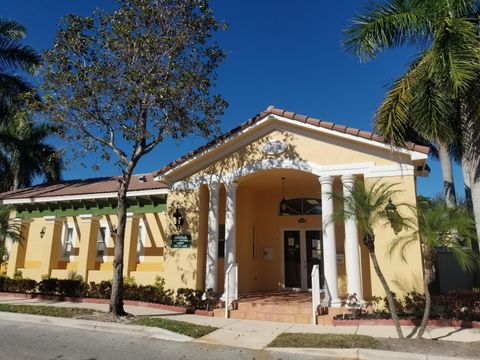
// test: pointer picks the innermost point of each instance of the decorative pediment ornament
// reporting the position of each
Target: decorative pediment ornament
(275, 147)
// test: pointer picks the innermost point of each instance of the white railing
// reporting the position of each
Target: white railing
(319, 296)
(315, 292)
(231, 286)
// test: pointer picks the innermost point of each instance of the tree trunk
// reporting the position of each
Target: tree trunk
(471, 163)
(116, 299)
(447, 173)
(427, 279)
(466, 187)
(388, 292)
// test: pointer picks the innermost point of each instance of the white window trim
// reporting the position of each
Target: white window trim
(68, 225)
(104, 257)
(142, 237)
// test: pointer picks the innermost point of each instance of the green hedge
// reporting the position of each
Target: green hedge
(190, 298)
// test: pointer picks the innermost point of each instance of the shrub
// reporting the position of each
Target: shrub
(17, 274)
(414, 304)
(101, 290)
(460, 304)
(19, 285)
(189, 298)
(356, 308)
(61, 287)
(212, 300)
(398, 305)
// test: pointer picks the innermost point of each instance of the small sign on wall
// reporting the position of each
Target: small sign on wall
(181, 241)
(340, 258)
(268, 253)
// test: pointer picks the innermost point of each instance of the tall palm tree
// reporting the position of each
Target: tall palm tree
(15, 58)
(423, 98)
(435, 221)
(24, 154)
(368, 205)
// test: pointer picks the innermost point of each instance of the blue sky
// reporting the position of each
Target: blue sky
(280, 52)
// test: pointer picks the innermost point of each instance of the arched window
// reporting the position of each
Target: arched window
(302, 206)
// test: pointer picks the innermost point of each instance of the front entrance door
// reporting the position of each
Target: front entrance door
(302, 250)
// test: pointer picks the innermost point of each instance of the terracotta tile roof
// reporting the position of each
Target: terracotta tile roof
(292, 116)
(83, 187)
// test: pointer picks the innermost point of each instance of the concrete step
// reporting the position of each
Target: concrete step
(276, 309)
(291, 318)
(260, 313)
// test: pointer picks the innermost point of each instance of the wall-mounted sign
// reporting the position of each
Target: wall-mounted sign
(275, 147)
(181, 241)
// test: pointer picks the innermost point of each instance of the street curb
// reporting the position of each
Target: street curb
(146, 331)
(362, 354)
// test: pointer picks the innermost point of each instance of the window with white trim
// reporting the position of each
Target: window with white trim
(68, 240)
(101, 241)
(141, 237)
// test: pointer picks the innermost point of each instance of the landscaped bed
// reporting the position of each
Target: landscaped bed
(459, 308)
(180, 327)
(44, 310)
(340, 341)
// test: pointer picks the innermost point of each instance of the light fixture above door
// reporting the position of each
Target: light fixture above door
(283, 203)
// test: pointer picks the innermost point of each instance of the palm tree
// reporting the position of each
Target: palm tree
(368, 205)
(425, 97)
(435, 221)
(8, 229)
(14, 58)
(24, 154)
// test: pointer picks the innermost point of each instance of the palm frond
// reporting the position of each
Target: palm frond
(456, 56)
(12, 30)
(386, 25)
(15, 55)
(367, 205)
(441, 227)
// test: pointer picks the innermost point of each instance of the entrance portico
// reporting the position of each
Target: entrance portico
(271, 262)
(230, 193)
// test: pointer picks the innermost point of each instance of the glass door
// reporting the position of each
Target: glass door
(314, 250)
(292, 257)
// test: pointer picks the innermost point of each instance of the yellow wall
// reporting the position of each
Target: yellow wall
(144, 272)
(402, 277)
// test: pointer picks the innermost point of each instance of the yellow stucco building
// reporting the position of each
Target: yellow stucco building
(229, 194)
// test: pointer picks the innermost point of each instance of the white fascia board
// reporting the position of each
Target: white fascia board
(81, 197)
(414, 155)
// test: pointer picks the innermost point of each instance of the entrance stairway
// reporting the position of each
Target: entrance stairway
(281, 306)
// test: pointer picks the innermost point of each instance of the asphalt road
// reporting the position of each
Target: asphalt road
(25, 341)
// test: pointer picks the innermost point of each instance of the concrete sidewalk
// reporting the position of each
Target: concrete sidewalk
(253, 334)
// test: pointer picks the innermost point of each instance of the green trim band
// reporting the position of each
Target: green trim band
(94, 210)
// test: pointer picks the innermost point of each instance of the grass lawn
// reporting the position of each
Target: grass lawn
(338, 341)
(46, 310)
(179, 327)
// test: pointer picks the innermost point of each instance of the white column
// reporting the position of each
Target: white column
(230, 239)
(352, 256)
(329, 245)
(212, 245)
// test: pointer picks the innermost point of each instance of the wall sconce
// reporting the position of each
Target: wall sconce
(302, 220)
(283, 203)
(178, 219)
(393, 216)
(42, 232)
